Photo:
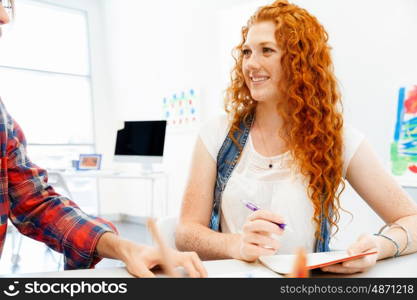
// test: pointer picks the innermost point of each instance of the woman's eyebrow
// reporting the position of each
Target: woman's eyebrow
(267, 43)
(261, 44)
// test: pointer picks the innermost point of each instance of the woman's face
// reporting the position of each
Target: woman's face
(262, 62)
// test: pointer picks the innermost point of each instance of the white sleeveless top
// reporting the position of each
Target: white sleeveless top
(280, 189)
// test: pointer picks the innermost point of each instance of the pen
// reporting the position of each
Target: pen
(300, 269)
(253, 207)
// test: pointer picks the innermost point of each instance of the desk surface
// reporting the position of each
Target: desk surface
(405, 266)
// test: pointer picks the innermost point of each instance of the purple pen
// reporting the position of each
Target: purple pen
(253, 207)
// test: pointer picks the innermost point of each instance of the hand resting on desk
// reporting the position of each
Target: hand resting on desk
(365, 243)
(141, 259)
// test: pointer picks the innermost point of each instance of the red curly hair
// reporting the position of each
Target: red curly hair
(310, 105)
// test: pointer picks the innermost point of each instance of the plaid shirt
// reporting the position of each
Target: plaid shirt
(36, 209)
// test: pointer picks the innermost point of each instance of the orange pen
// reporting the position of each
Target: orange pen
(300, 269)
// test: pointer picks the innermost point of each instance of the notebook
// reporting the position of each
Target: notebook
(283, 263)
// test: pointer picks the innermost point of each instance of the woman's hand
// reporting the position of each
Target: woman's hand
(256, 239)
(365, 243)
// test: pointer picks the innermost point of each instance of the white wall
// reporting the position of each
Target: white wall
(154, 49)
(158, 47)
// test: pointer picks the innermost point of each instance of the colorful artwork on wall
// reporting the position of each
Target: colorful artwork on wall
(181, 110)
(404, 146)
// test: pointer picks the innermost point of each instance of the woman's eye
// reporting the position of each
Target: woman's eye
(245, 52)
(267, 50)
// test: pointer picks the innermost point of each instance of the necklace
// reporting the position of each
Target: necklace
(271, 165)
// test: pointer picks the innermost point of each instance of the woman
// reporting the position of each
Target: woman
(40, 213)
(284, 148)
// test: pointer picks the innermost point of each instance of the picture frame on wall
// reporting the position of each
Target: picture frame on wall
(89, 162)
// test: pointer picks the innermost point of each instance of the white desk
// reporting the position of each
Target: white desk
(405, 266)
(109, 174)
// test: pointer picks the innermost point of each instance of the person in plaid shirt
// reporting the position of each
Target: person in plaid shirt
(39, 212)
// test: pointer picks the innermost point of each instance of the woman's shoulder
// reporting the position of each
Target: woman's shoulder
(213, 132)
(218, 124)
(352, 138)
(351, 133)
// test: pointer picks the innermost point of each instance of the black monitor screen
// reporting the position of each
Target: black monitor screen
(143, 138)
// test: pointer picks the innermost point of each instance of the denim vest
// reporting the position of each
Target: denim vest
(227, 160)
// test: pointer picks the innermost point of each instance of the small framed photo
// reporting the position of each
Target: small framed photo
(89, 162)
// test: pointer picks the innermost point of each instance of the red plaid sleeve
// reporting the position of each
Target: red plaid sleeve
(42, 214)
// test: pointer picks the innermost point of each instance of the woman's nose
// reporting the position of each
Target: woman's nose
(252, 62)
(4, 16)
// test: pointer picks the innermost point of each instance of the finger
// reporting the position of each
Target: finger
(363, 262)
(357, 263)
(339, 269)
(265, 251)
(363, 244)
(262, 226)
(140, 270)
(266, 215)
(189, 267)
(261, 240)
(198, 264)
(253, 251)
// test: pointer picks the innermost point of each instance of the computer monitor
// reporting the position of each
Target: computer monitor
(142, 142)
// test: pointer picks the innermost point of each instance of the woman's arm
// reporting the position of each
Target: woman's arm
(193, 233)
(386, 197)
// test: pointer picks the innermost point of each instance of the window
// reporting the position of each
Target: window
(45, 81)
